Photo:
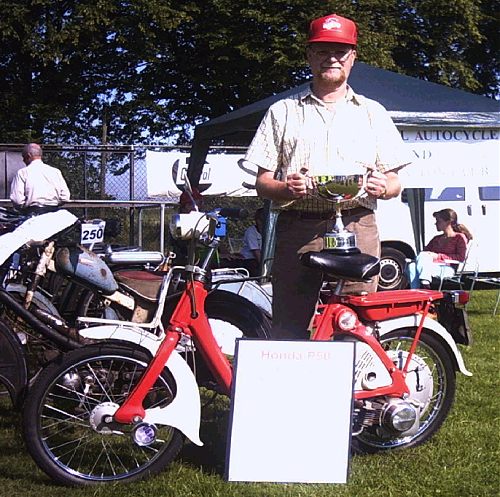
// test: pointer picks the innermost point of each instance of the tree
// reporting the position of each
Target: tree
(149, 70)
(452, 43)
(63, 63)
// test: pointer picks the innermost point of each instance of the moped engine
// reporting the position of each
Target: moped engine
(387, 416)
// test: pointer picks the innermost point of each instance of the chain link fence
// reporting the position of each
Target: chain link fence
(110, 182)
(112, 175)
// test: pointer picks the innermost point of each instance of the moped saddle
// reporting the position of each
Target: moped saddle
(351, 267)
(140, 283)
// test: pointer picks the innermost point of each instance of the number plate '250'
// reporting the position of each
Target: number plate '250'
(93, 232)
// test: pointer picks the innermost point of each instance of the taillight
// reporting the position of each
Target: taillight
(460, 297)
(345, 320)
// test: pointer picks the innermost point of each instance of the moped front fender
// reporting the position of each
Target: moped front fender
(184, 412)
(432, 325)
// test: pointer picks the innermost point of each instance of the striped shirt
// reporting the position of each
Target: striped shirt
(300, 132)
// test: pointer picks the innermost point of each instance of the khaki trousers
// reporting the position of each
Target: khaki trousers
(295, 286)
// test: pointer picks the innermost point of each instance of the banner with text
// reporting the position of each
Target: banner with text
(442, 157)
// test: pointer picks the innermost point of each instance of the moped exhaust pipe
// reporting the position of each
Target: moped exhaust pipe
(64, 342)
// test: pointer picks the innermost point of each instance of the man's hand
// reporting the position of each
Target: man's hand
(298, 184)
(376, 184)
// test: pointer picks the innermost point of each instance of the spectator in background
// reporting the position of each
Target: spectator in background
(442, 252)
(38, 187)
(252, 244)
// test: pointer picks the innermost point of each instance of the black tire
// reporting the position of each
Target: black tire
(223, 306)
(220, 306)
(38, 349)
(236, 311)
(91, 304)
(440, 367)
(64, 439)
(392, 270)
(230, 317)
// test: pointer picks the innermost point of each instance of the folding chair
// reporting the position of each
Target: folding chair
(460, 271)
(489, 281)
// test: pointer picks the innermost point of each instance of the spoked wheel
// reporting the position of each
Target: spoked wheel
(232, 316)
(431, 380)
(65, 413)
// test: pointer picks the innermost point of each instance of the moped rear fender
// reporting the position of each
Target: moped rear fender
(184, 412)
(260, 295)
(432, 325)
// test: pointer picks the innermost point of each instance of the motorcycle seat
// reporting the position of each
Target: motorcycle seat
(140, 283)
(350, 267)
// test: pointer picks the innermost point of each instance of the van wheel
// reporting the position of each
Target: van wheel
(392, 270)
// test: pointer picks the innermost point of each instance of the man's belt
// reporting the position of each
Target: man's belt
(39, 209)
(356, 211)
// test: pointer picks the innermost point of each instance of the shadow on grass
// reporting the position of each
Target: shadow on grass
(15, 463)
(213, 433)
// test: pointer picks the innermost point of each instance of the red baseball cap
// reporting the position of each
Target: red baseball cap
(333, 29)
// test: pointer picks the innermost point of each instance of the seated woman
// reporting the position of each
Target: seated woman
(436, 260)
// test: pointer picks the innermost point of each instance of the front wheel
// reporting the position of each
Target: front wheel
(64, 418)
(431, 381)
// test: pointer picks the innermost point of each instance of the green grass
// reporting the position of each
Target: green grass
(461, 460)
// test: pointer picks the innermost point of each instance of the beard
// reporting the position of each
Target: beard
(336, 77)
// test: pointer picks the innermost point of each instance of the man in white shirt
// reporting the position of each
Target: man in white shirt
(37, 187)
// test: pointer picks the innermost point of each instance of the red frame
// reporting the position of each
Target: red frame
(376, 306)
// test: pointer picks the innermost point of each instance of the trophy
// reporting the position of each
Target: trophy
(338, 190)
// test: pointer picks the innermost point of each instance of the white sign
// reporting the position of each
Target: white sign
(291, 411)
(452, 157)
(222, 175)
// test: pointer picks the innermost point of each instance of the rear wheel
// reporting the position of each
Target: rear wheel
(431, 381)
(64, 418)
(230, 317)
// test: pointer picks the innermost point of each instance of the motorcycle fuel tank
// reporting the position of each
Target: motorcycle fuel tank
(85, 267)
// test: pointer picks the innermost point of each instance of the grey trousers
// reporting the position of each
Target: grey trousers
(296, 287)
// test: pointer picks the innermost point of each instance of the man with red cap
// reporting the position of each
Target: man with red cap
(326, 129)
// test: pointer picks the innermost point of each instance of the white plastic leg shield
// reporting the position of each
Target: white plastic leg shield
(184, 412)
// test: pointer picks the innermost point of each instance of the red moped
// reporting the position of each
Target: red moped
(118, 410)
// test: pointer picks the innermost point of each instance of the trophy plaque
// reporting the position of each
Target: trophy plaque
(338, 190)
